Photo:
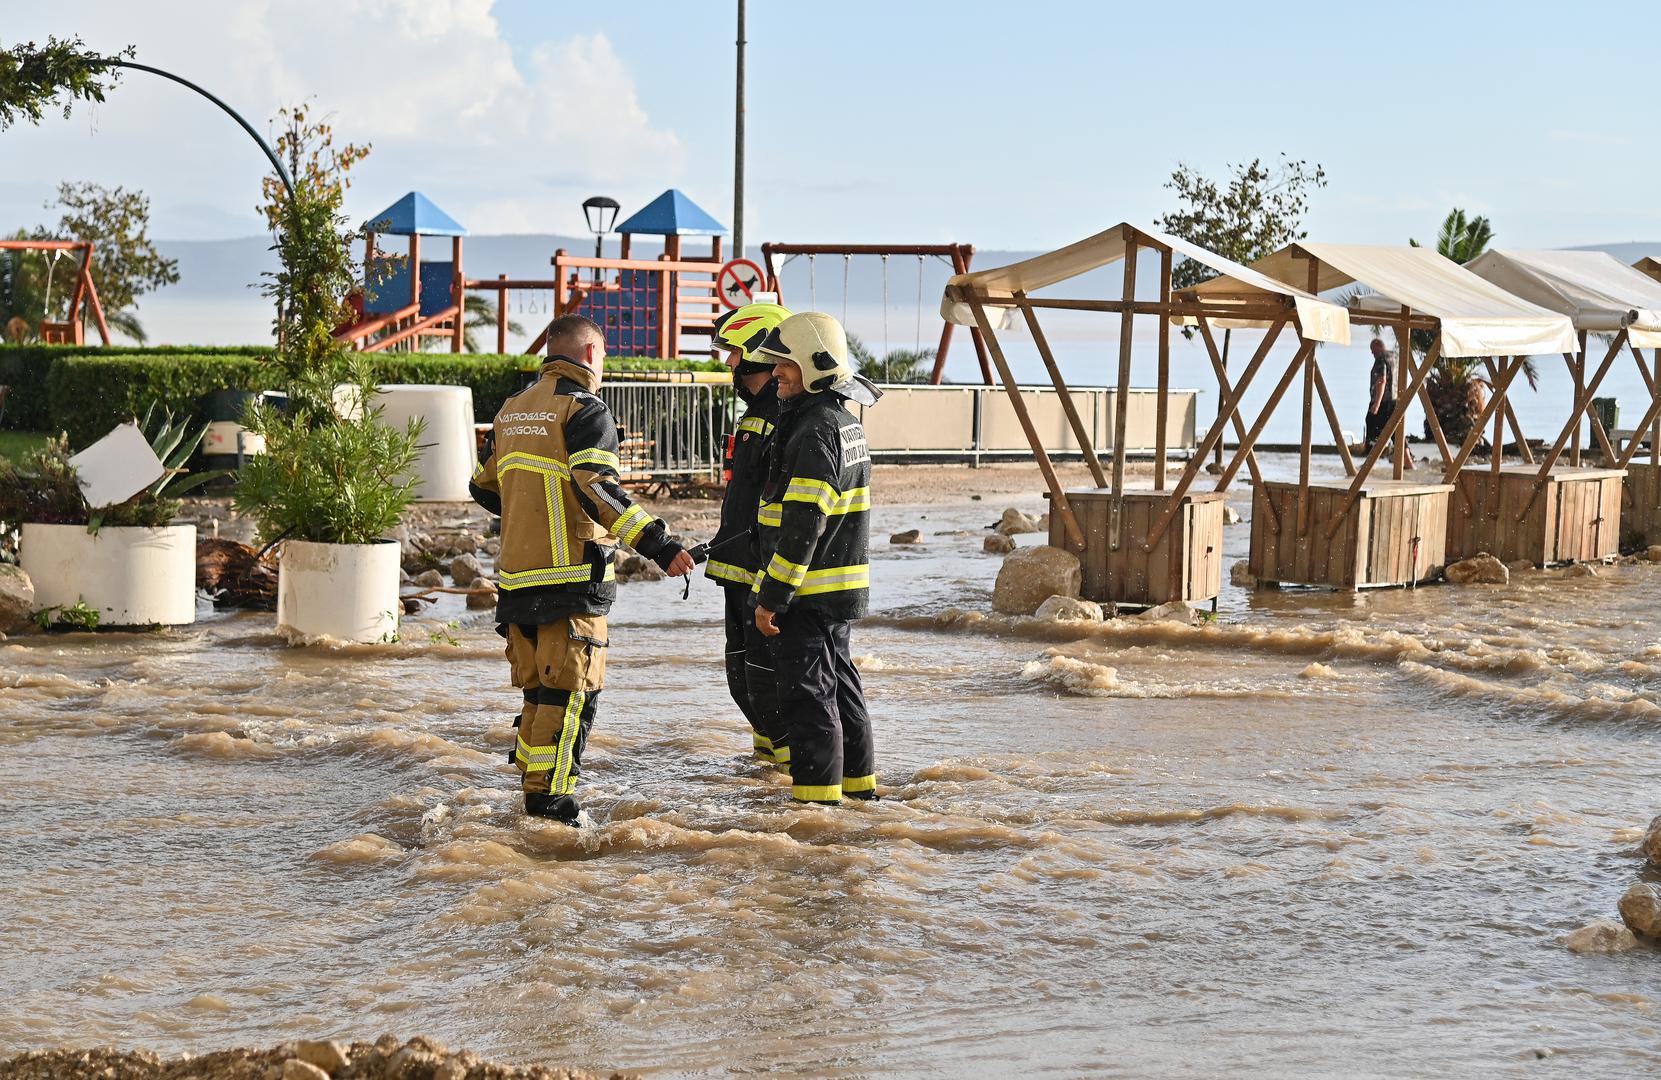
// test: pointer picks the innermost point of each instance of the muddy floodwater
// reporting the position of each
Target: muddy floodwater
(1327, 836)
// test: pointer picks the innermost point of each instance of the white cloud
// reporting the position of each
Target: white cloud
(501, 142)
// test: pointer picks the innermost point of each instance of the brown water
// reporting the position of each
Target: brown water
(1329, 836)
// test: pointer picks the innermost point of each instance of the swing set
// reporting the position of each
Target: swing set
(70, 331)
(775, 257)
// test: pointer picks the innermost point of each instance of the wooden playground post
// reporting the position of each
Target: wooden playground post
(1044, 464)
(1086, 441)
(458, 296)
(501, 316)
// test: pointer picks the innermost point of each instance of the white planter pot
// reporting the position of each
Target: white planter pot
(447, 450)
(348, 592)
(131, 576)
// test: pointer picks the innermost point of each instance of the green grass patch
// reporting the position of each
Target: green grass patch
(14, 444)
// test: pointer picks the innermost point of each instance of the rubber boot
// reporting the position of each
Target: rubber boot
(561, 808)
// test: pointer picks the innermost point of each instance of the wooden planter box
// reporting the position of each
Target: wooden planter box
(1575, 518)
(1642, 504)
(1392, 535)
(1186, 564)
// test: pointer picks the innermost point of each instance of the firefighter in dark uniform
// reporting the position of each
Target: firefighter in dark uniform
(732, 553)
(814, 527)
(549, 468)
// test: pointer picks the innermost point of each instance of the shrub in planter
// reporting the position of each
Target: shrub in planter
(122, 565)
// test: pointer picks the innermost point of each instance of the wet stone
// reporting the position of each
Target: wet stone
(1231, 516)
(1580, 570)
(1069, 609)
(1603, 936)
(1175, 611)
(429, 579)
(1014, 523)
(1030, 576)
(480, 599)
(1652, 553)
(1479, 569)
(412, 606)
(329, 1056)
(1240, 574)
(1652, 842)
(17, 599)
(1641, 910)
(295, 1069)
(465, 570)
(1518, 566)
(998, 544)
(910, 536)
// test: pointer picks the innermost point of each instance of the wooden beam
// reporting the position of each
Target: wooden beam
(1256, 429)
(1086, 441)
(1468, 447)
(1510, 416)
(1045, 466)
(1121, 402)
(1583, 395)
(1398, 417)
(1224, 410)
(1404, 361)
(502, 316)
(1332, 418)
(1577, 364)
(1304, 446)
(1650, 417)
(1163, 386)
(1239, 424)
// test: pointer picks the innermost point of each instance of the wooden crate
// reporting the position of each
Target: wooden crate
(1186, 564)
(1575, 518)
(1641, 506)
(1393, 534)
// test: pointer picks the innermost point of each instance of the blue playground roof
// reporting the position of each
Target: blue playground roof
(414, 214)
(672, 214)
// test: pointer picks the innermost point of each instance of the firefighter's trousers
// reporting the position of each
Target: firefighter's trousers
(750, 677)
(561, 668)
(822, 704)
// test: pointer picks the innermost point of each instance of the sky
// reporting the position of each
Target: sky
(1009, 126)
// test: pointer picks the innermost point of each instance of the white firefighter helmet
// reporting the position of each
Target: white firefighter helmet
(816, 343)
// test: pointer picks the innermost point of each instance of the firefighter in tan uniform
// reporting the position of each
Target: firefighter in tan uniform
(549, 468)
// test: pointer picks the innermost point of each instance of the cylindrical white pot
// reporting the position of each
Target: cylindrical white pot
(348, 592)
(131, 576)
(447, 454)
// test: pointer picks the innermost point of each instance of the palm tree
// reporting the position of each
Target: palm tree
(899, 366)
(1457, 387)
(480, 314)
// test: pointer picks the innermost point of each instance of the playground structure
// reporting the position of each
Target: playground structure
(1369, 531)
(1556, 513)
(405, 300)
(775, 256)
(71, 330)
(1143, 545)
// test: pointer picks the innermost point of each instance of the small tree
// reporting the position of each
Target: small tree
(314, 163)
(125, 264)
(34, 78)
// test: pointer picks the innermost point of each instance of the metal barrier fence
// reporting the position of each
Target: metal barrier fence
(676, 429)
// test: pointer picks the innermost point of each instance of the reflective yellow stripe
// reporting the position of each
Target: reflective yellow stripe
(781, 754)
(786, 571)
(631, 524)
(558, 545)
(760, 741)
(827, 498)
(478, 469)
(721, 571)
(860, 783)
(594, 457)
(816, 792)
(770, 514)
(755, 424)
(536, 463)
(835, 579)
(562, 782)
(550, 575)
(536, 758)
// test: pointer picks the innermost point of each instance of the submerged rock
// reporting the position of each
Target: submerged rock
(1014, 523)
(1029, 576)
(1579, 569)
(1231, 516)
(1518, 566)
(465, 570)
(1480, 569)
(638, 568)
(1652, 842)
(480, 598)
(910, 536)
(1603, 936)
(295, 1069)
(998, 544)
(429, 579)
(1241, 574)
(17, 599)
(1176, 611)
(1069, 609)
(1641, 910)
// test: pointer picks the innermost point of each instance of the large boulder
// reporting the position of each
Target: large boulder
(1030, 576)
(1641, 910)
(1069, 609)
(1652, 842)
(17, 599)
(465, 570)
(998, 544)
(1602, 936)
(1014, 523)
(1177, 611)
(1480, 569)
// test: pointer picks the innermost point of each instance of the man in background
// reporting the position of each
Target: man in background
(1381, 392)
(549, 468)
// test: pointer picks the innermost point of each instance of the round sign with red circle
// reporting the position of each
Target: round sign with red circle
(738, 281)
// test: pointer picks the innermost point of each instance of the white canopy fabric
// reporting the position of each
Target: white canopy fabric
(1321, 320)
(1477, 317)
(1594, 289)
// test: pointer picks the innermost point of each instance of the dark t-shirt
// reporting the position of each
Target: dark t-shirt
(1384, 367)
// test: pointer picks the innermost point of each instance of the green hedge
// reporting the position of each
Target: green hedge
(26, 369)
(89, 393)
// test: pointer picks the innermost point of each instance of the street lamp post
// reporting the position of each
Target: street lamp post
(600, 211)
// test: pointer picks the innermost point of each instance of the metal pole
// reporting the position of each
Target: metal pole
(738, 149)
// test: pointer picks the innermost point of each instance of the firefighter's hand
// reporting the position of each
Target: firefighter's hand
(764, 623)
(680, 566)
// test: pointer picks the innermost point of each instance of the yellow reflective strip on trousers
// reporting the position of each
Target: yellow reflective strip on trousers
(816, 792)
(721, 571)
(835, 579)
(562, 783)
(594, 457)
(478, 469)
(760, 741)
(781, 754)
(770, 514)
(631, 524)
(786, 571)
(535, 758)
(860, 783)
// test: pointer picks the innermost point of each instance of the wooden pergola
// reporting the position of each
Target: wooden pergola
(1143, 545)
(1371, 531)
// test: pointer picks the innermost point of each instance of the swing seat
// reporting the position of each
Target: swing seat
(63, 333)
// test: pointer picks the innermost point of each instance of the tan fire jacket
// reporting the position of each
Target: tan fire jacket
(549, 468)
